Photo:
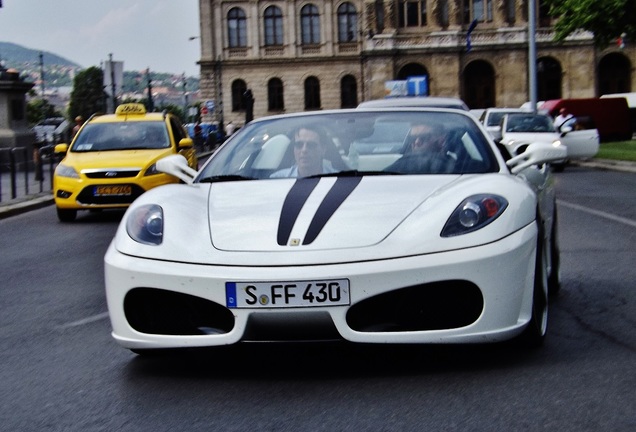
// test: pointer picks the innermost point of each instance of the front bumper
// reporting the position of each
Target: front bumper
(79, 193)
(496, 278)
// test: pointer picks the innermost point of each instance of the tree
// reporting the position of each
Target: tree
(39, 109)
(607, 19)
(88, 96)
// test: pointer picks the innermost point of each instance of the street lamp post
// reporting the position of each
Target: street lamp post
(42, 73)
(151, 105)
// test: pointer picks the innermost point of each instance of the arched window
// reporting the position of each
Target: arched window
(347, 23)
(273, 26)
(348, 92)
(309, 25)
(275, 100)
(236, 28)
(238, 89)
(312, 93)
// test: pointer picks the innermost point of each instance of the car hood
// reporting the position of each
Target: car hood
(530, 137)
(327, 213)
(115, 159)
(331, 220)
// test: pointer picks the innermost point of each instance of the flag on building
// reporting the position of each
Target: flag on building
(470, 30)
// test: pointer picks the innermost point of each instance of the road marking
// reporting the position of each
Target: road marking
(88, 320)
(602, 214)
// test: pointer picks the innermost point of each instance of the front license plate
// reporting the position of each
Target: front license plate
(287, 294)
(125, 190)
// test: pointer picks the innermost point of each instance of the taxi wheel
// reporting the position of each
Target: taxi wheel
(66, 215)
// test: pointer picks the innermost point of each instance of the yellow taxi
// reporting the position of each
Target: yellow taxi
(111, 160)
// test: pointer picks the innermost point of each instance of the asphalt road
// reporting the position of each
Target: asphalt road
(61, 371)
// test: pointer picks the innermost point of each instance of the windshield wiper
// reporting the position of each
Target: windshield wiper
(224, 178)
(353, 173)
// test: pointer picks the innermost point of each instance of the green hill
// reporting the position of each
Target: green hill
(17, 56)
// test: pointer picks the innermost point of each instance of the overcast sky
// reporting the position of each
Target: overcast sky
(141, 33)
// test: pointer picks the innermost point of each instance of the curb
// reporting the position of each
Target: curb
(25, 204)
(608, 164)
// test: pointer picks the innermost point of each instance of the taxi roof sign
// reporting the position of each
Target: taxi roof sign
(131, 109)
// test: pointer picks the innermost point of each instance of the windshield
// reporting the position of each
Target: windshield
(122, 136)
(348, 142)
(529, 123)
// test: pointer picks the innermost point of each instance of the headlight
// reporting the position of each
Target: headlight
(474, 213)
(145, 224)
(66, 171)
(152, 170)
(556, 143)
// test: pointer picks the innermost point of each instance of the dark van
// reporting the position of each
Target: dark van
(611, 115)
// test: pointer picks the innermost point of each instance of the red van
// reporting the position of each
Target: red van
(610, 116)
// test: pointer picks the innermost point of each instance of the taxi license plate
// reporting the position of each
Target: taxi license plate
(287, 294)
(125, 190)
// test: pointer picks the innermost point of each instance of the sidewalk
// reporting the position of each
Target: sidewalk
(36, 199)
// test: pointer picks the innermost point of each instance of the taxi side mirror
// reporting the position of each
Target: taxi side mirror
(185, 143)
(60, 148)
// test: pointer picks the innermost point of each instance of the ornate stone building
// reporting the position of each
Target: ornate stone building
(322, 54)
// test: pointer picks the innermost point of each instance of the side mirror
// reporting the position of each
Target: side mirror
(60, 148)
(185, 143)
(537, 154)
(177, 165)
(565, 130)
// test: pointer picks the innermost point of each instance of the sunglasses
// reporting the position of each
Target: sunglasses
(310, 145)
(424, 137)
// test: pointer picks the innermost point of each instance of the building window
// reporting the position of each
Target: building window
(347, 23)
(273, 26)
(412, 13)
(238, 89)
(237, 28)
(312, 93)
(348, 92)
(310, 25)
(480, 10)
(275, 101)
(511, 11)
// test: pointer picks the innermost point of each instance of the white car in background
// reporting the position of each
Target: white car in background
(518, 130)
(491, 119)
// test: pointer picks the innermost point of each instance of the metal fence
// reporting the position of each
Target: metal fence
(24, 173)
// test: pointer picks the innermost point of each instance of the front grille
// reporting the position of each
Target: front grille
(435, 306)
(156, 311)
(111, 174)
(87, 196)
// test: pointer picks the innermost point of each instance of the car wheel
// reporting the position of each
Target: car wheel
(66, 215)
(534, 335)
(554, 279)
(559, 167)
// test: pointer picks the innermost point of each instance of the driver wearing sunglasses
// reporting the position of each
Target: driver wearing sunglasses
(309, 152)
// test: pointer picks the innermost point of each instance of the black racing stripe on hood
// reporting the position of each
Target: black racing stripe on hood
(339, 192)
(294, 202)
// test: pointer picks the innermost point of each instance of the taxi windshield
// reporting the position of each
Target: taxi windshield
(122, 136)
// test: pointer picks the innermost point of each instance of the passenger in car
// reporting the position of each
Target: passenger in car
(425, 152)
(309, 145)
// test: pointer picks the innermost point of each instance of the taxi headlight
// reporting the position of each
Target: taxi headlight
(145, 224)
(152, 170)
(66, 171)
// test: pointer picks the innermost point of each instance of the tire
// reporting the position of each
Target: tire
(66, 215)
(534, 334)
(554, 279)
(559, 167)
